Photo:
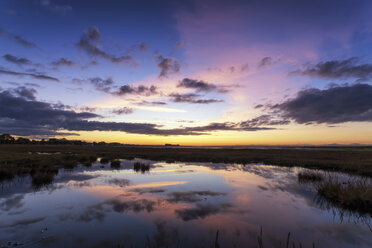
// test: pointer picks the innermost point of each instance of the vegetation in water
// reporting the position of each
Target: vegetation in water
(308, 176)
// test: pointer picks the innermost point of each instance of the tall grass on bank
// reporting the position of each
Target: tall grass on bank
(354, 195)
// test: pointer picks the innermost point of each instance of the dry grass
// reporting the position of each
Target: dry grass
(307, 176)
(354, 195)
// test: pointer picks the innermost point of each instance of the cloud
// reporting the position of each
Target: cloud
(191, 196)
(265, 62)
(191, 98)
(16, 60)
(249, 125)
(153, 103)
(200, 85)
(89, 43)
(64, 62)
(195, 84)
(20, 115)
(142, 47)
(337, 104)
(201, 211)
(54, 7)
(27, 93)
(123, 111)
(16, 38)
(167, 65)
(103, 85)
(108, 86)
(263, 120)
(32, 75)
(139, 90)
(338, 69)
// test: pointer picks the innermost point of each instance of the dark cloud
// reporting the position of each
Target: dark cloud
(88, 109)
(333, 105)
(264, 120)
(108, 86)
(100, 84)
(19, 113)
(151, 103)
(89, 43)
(64, 62)
(191, 98)
(191, 196)
(139, 90)
(27, 93)
(16, 60)
(123, 111)
(16, 38)
(201, 211)
(22, 116)
(167, 65)
(32, 75)
(265, 62)
(258, 106)
(339, 69)
(228, 126)
(198, 85)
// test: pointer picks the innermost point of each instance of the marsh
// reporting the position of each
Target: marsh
(180, 204)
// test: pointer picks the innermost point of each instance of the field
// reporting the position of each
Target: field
(21, 159)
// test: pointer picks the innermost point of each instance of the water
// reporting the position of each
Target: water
(173, 205)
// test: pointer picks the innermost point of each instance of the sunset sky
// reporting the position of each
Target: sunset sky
(187, 72)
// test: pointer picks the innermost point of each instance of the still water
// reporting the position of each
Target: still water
(174, 205)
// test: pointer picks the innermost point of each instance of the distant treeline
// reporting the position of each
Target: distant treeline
(8, 139)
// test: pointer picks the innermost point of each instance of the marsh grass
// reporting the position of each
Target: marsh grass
(141, 167)
(353, 195)
(104, 161)
(308, 176)
(115, 164)
(42, 178)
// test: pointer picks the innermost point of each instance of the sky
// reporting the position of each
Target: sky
(187, 72)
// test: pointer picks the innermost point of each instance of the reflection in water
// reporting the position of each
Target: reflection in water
(173, 205)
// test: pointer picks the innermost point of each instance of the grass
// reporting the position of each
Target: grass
(307, 176)
(354, 195)
(21, 159)
(141, 167)
(115, 164)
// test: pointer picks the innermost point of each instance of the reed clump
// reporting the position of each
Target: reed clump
(353, 195)
(141, 167)
(115, 164)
